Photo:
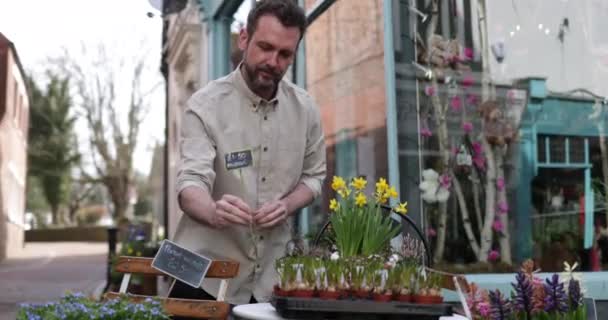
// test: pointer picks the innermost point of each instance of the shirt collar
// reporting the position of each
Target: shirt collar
(256, 101)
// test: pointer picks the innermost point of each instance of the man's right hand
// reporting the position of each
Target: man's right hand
(230, 210)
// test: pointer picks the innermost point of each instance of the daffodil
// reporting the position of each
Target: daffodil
(338, 183)
(358, 184)
(381, 197)
(129, 250)
(401, 208)
(334, 205)
(391, 193)
(360, 199)
(344, 193)
(381, 186)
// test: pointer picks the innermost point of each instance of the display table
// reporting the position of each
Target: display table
(265, 311)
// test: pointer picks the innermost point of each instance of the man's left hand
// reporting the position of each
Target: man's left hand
(271, 213)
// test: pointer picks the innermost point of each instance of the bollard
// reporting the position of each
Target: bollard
(112, 237)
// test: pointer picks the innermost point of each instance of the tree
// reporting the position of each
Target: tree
(51, 152)
(114, 123)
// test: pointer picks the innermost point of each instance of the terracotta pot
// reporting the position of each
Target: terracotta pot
(428, 299)
(360, 294)
(302, 293)
(330, 295)
(382, 297)
(403, 297)
(280, 292)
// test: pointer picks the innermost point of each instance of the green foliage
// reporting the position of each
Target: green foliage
(52, 149)
(78, 307)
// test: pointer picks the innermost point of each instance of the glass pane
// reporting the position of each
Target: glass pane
(345, 76)
(501, 139)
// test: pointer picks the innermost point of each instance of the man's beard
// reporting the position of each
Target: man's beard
(255, 81)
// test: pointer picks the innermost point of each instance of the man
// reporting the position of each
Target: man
(252, 154)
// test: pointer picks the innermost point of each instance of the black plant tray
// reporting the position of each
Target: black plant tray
(315, 308)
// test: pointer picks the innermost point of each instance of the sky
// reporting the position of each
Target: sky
(41, 29)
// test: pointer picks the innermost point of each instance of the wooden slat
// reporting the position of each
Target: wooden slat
(218, 269)
(200, 309)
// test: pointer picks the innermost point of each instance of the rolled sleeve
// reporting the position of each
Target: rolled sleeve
(315, 167)
(197, 154)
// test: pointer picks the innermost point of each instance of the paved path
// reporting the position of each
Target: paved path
(44, 271)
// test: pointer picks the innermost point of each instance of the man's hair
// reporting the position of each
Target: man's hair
(287, 11)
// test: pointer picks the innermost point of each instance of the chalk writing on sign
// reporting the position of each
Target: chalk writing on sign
(181, 263)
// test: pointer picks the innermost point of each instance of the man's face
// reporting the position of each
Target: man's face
(268, 52)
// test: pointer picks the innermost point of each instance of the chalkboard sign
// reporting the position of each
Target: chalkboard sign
(181, 263)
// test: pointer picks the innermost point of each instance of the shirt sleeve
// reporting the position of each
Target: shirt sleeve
(315, 167)
(197, 153)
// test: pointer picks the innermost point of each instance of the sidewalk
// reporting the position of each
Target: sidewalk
(44, 271)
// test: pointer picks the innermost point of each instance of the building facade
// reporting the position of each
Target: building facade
(185, 67)
(14, 124)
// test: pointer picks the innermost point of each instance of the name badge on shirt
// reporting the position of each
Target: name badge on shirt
(238, 159)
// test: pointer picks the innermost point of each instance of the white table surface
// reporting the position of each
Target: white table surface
(265, 311)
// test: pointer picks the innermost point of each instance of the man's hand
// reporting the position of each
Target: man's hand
(230, 210)
(271, 213)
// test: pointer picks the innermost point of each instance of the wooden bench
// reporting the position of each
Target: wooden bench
(200, 309)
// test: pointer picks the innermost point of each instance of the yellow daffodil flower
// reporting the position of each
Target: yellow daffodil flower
(401, 208)
(381, 186)
(129, 250)
(338, 183)
(360, 199)
(358, 184)
(344, 193)
(381, 198)
(391, 193)
(334, 205)
(138, 254)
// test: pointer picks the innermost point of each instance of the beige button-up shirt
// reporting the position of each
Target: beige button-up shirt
(287, 147)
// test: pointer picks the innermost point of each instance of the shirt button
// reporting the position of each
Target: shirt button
(261, 237)
(265, 148)
(263, 179)
(265, 117)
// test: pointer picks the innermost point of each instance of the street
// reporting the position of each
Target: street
(44, 271)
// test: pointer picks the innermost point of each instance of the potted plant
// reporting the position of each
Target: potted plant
(429, 289)
(305, 279)
(330, 276)
(404, 275)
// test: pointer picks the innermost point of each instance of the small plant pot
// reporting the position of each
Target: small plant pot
(303, 293)
(382, 297)
(330, 295)
(280, 292)
(403, 297)
(360, 294)
(428, 299)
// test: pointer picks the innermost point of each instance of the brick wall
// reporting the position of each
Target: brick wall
(345, 75)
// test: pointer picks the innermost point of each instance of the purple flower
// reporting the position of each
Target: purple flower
(429, 90)
(468, 53)
(500, 307)
(493, 255)
(484, 309)
(472, 99)
(426, 132)
(455, 151)
(503, 207)
(445, 181)
(467, 127)
(498, 226)
(456, 103)
(500, 184)
(467, 81)
(555, 299)
(477, 148)
(574, 294)
(431, 232)
(523, 294)
(479, 162)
